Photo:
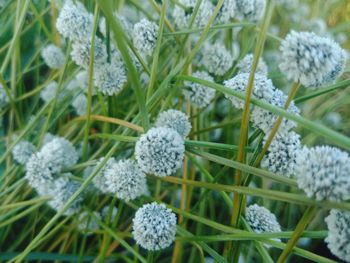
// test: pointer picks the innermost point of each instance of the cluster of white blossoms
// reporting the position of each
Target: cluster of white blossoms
(245, 65)
(80, 104)
(124, 22)
(99, 180)
(311, 60)
(144, 36)
(199, 95)
(154, 226)
(216, 59)
(53, 56)
(251, 10)
(22, 151)
(176, 120)
(49, 92)
(160, 151)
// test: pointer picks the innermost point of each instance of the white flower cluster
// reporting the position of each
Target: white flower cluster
(160, 151)
(53, 56)
(80, 104)
(49, 92)
(176, 120)
(100, 181)
(23, 151)
(338, 239)
(251, 10)
(199, 95)
(261, 220)
(245, 65)
(125, 23)
(216, 59)
(311, 60)
(323, 172)
(227, 11)
(154, 226)
(144, 36)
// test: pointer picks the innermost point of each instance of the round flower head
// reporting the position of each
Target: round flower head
(245, 65)
(58, 154)
(199, 95)
(110, 78)
(265, 120)
(311, 60)
(227, 11)
(126, 180)
(49, 92)
(160, 151)
(82, 78)
(154, 226)
(263, 88)
(338, 239)
(144, 36)
(176, 120)
(4, 99)
(88, 223)
(100, 181)
(251, 10)
(106, 212)
(74, 22)
(48, 137)
(323, 172)
(217, 59)
(80, 104)
(38, 171)
(282, 154)
(23, 151)
(81, 52)
(53, 56)
(124, 22)
(261, 220)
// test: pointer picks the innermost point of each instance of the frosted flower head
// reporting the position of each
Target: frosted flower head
(4, 99)
(217, 59)
(81, 52)
(100, 181)
(48, 137)
(82, 78)
(110, 78)
(144, 36)
(251, 10)
(58, 154)
(176, 120)
(124, 22)
(338, 223)
(199, 95)
(74, 22)
(311, 60)
(323, 172)
(49, 92)
(160, 151)
(227, 11)
(88, 223)
(53, 56)
(80, 104)
(23, 151)
(263, 88)
(282, 154)
(38, 171)
(245, 65)
(154, 226)
(261, 220)
(125, 180)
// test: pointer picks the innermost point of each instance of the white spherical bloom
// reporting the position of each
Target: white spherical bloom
(81, 52)
(265, 120)
(251, 10)
(23, 151)
(160, 151)
(217, 59)
(245, 65)
(110, 78)
(53, 56)
(80, 104)
(311, 60)
(323, 172)
(182, 17)
(261, 220)
(176, 120)
(199, 95)
(282, 153)
(338, 239)
(126, 180)
(263, 88)
(124, 22)
(4, 99)
(49, 92)
(82, 78)
(58, 154)
(74, 22)
(227, 11)
(105, 213)
(154, 226)
(100, 180)
(144, 36)
(88, 223)
(38, 171)
(48, 137)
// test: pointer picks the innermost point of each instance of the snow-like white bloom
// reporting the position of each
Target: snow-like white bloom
(48, 137)
(251, 10)
(154, 226)
(217, 59)
(261, 220)
(125, 180)
(245, 65)
(338, 239)
(105, 213)
(199, 95)
(38, 171)
(100, 180)
(310, 59)
(23, 151)
(176, 120)
(49, 92)
(282, 154)
(144, 36)
(88, 223)
(4, 99)
(53, 56)
(263, 88)
(227, 11)
(124, 22)
(80, 104)
(160, 151)
(74, 22)
(81, 52)
(110, 78)
(323, 172)
(82, 79)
